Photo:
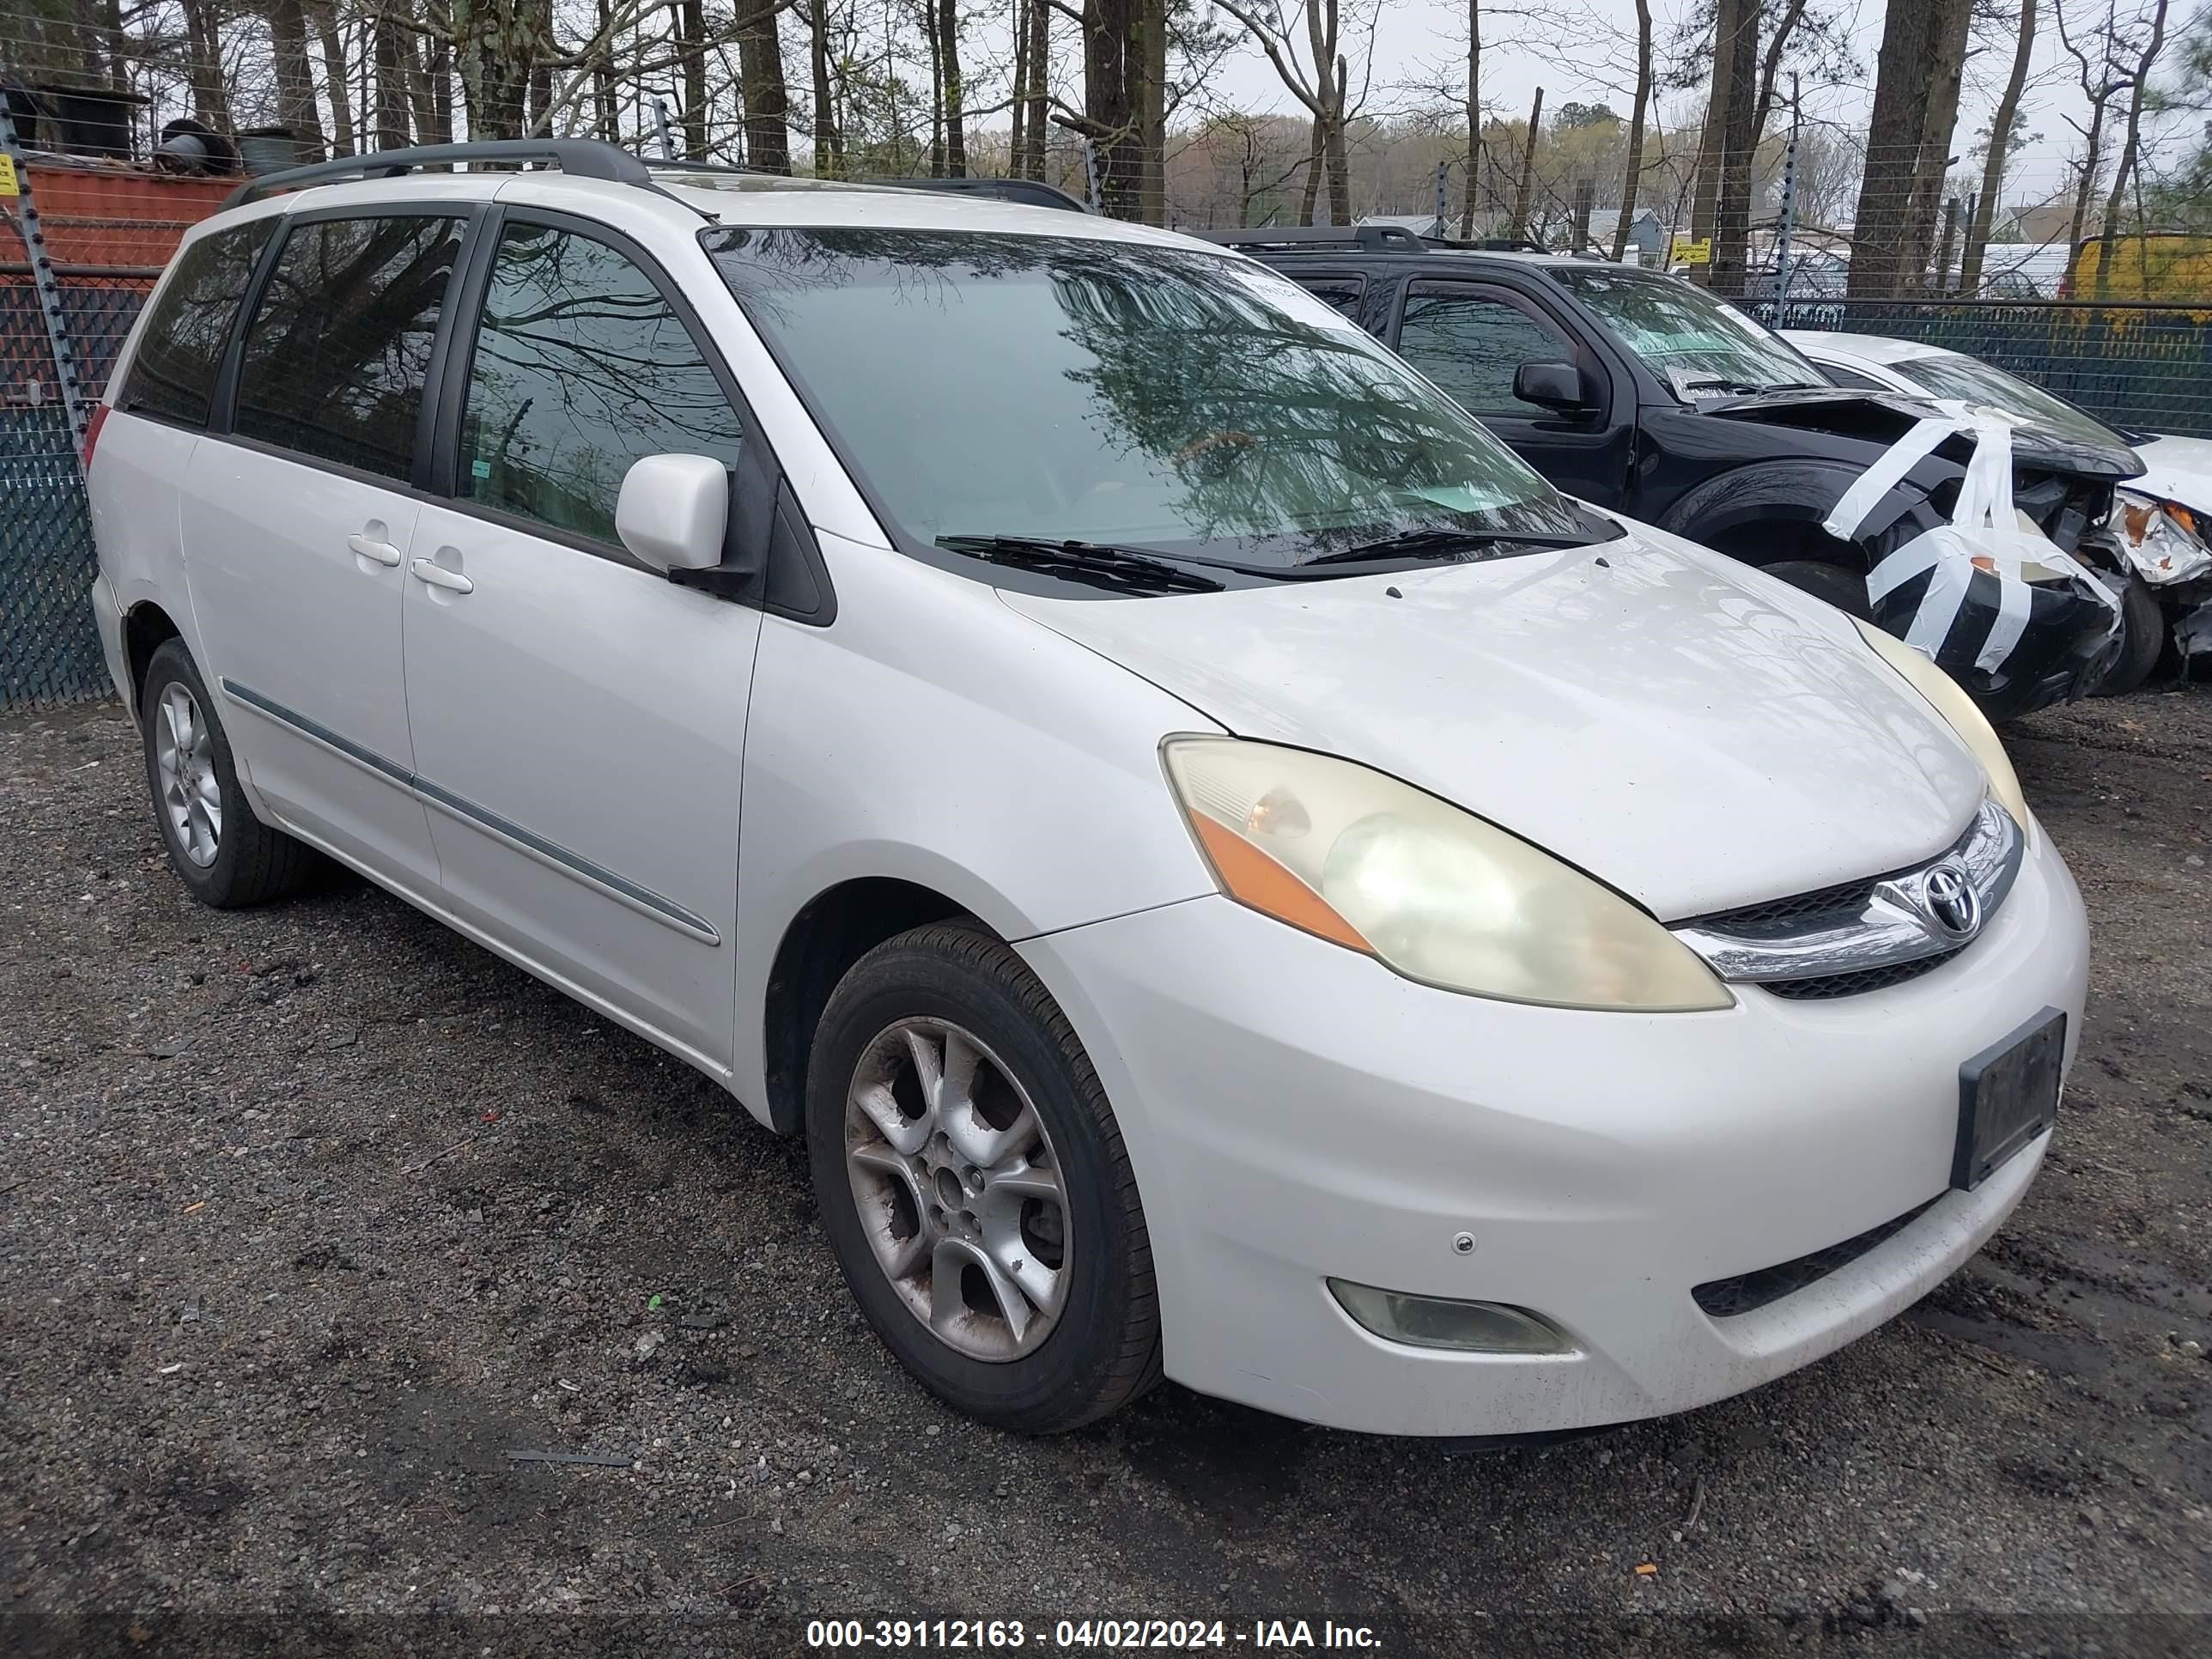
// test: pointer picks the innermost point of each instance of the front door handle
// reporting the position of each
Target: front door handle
(437, 576)
(369, 548)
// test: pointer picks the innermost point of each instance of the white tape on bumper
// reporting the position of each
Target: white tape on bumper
(1986, 533)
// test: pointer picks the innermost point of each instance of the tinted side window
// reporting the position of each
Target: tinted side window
(1470, 344)
(1341, 291)
(337, 348)
(181, 352)
(581, 368)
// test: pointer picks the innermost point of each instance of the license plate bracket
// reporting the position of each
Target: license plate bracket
(2008, 1096)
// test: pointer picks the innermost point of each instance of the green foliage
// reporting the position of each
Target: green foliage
(1573, 117)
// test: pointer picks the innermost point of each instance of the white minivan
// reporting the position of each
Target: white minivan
(1232, 875)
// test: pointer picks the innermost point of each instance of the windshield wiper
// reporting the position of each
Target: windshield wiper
(1749, 388)
(1096, 562)
(1446, 545)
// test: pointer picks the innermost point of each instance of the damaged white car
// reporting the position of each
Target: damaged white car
(2161, 528)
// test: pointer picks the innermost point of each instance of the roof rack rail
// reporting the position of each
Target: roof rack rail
(1371, 239)
(1025, 193)
(586, 158)
(678, 164)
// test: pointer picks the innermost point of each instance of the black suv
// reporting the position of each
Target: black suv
(1641, 392)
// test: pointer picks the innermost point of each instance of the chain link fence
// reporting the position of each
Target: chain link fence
(2141, 367)
(49, 650)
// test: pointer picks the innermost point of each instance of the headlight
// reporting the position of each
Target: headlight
(1958, 709)
(1435, 893)
(2162, 541)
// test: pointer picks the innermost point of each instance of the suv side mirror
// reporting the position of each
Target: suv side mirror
(674, 511)
(1550, 386)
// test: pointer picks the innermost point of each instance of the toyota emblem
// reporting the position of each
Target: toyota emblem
(1951, 901)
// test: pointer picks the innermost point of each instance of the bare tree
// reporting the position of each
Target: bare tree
(829, 141)
(1474, 111)
(295, 81)
(1632, 171)
(1948, 32)
(1524, 191)
(2130, 145)
(1319, 78)
(2100, 84)
(326, 15)
(1903, 81)
(2003, 123)
(1736, 91)
(767, 98)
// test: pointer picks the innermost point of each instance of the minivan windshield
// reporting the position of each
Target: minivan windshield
(1054, 390)
(1701, 346)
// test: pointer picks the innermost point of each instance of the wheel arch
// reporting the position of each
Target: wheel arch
(820, 944)
(146, 627)
(1771, 512)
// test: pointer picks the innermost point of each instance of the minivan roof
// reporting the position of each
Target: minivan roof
(585, 170)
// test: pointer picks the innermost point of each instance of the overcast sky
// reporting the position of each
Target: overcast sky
(1420, 41)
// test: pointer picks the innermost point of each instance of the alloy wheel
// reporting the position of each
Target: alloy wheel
(959, 1192)
(183, 760)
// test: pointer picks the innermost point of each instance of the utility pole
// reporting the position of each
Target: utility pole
(660, 120)
(1789, 221)
(1443, 168)
(18, 184)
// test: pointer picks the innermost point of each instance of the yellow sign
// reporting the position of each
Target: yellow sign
(7, 184)
(1694, 253)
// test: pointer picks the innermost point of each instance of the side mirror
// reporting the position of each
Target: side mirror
(674, 511)
(1550, 386)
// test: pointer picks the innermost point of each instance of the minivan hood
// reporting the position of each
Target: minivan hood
(1694, 732)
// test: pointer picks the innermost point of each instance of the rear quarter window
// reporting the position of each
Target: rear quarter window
(340, 344)
(181, 353)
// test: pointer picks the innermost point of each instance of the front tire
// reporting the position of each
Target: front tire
(228, 858)
(975, 1187)
(2142, 638)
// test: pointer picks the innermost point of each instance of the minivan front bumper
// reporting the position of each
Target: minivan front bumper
(1296, 1112)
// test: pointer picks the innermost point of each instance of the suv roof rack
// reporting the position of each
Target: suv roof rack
(1369, 239)
(586, 158)
(1025, 193)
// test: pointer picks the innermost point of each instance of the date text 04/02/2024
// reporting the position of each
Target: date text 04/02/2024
(1262, 1635)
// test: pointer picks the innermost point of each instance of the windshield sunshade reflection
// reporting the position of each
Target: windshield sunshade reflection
(1177, 402)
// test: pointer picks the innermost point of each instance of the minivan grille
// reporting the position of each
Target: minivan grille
(1844, 901)
(1851, 985)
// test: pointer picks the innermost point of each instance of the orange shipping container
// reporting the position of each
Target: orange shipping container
(111, 217)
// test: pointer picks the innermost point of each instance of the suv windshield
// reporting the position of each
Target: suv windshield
(1699, 345)
(1051, 390)
(1951, 374)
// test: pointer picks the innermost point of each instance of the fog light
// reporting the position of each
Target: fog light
(1437, 1321)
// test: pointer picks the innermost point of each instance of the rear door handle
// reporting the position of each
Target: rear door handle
(437, 576)
(369, 548)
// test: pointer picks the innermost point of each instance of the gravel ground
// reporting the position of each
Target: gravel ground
(309, 1216)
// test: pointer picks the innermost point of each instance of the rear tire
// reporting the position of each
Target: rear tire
(2142, 641)
(989, 1226)
(1844, 589)
(226, 856)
